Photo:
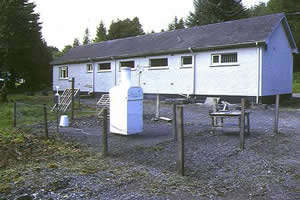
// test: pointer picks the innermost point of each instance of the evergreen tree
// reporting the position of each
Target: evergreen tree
(125, 28)
(258, 10)
(23, 53)
(214, 11)
(101, 34)
(176, 24)
(76, 42)
(86, 37)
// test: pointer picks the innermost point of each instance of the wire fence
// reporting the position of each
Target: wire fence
(44, 119)
(296, 77)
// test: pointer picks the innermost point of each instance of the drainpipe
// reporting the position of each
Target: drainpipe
(113, 58)
(259, 72)
(93, 79)
(194, 70)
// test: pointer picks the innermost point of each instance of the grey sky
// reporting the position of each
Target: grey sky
(64, 20)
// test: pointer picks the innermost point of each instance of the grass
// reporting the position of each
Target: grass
(28, 115)
(296, 87)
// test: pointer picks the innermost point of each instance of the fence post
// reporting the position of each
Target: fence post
(180, 140)
(72, 99)
(46, 121)
(242, 125)
(104, 133)
(157, 107)
(174, 123)
(15, 115)
(78, 99)
(57, 113)
(276, 122)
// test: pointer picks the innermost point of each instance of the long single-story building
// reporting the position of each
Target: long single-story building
(250, 57)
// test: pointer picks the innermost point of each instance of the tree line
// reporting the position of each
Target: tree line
(24, 54)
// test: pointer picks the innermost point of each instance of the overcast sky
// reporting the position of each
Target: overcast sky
(64, 20)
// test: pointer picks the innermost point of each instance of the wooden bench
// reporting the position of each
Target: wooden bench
(229, 114)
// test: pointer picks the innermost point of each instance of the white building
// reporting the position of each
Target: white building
(249, 57)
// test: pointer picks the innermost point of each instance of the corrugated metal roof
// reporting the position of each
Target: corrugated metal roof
(243, 31)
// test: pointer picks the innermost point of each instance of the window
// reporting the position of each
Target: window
(104, 67)
(127, 64)
(89, 68)
(159, 62)
(186, 60)
(224, 59)
(63, 72)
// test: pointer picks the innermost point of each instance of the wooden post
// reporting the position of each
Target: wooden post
(157, 106)
(46, 121)
(276, 121)
(242, 125)
(72, 99)
(180, 140)
(57, 113)
(215, 122)
(174, 122)
(104, 133)
(15, 115)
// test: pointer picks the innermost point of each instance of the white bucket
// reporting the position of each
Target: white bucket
(64, 121)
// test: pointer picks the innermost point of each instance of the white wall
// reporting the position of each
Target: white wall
(83, 79)
(277, 71)
(240, 80)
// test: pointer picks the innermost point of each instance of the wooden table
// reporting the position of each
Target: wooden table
(233, 113)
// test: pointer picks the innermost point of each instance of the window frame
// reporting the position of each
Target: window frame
(182, 65)
(132, 68)
(219, 63)
(104, 70)
(158, 67)
(66, 75)
(88, 66)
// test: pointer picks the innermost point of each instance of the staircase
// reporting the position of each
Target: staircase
(65, 100)
(101, 104)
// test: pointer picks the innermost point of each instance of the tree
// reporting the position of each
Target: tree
(215, 11)
(76, 42)
(258, 10)
(176, 24)
(125, 28)
(289, 8)
(101, 34)
(23, 53)
(86, 37)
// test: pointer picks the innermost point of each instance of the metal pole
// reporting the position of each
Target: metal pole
(72, 99)
(15, 115)
(180, 140)
(46, 121)
(79, 100)
(157, 106)
(57, 113)
(215, 110)
(104, 133)
(276, 122)
(174, 123)
(242, 125)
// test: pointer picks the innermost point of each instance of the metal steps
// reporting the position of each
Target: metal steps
(65, 100)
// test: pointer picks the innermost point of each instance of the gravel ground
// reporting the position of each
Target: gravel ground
(143, 166)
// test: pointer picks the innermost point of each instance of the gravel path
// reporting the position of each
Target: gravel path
(268, 168)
